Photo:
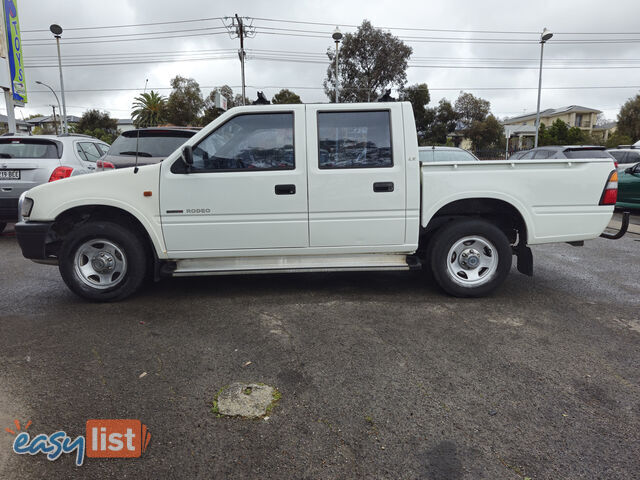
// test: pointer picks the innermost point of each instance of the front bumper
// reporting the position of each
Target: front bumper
(32, 237)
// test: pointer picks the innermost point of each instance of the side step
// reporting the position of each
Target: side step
(295, 263)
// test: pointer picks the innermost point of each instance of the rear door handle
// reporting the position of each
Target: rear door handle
(285, 189)
(383, 187)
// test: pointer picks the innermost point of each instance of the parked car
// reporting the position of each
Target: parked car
(566, 152)
(625, 157)
(251, 193)
(518, 155)
(27, 161)
(152, 145)
(446, 154)
(629, 187)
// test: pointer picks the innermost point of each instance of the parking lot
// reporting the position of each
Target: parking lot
(381, 374)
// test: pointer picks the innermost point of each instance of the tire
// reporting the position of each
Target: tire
(103, 261)
(3, 225)
(470, 258)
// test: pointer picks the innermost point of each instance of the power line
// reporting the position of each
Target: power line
(128, 39)
(124, 34)
(129, 25)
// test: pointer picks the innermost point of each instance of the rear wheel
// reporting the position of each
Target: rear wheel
(470, 258)
(103, 261)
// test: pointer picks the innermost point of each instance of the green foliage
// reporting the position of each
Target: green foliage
(560, 134)
(629, 119)
(371, 61)
(285, 96)
(618, 139)
(471, 109)
(487, 133)
(97, 124)
(185, 102)
(149, 110)
(211, 112)
(440, 122)
(419, 97)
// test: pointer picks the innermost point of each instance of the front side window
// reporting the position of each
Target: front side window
(261, 141)
(354, 139)
(88, 151)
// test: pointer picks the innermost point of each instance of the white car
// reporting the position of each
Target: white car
(27, 161)
(327, 187)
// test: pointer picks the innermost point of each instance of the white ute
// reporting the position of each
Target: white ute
(327, 187)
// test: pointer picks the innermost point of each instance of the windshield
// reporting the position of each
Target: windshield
(150, 144)
(587, 153)
(27, 148)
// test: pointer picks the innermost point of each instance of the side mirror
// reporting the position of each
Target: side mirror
(187, 155)
(628, 170)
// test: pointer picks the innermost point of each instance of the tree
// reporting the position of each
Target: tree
(471, 109)
(211, 112)
(371, 61)
(98, 124)
(185, 102)
(487, 133)
(285, 96)
(441, 121)
(561, 134)
(419, 97)
(149, 110)
(618, 139)
(629, 118)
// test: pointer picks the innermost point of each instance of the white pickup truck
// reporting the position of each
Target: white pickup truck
(327, 187)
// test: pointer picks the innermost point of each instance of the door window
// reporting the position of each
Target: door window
(540, 154)
(262, 141)
(354, 139)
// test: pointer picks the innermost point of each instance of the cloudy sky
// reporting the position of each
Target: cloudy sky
(457, 45)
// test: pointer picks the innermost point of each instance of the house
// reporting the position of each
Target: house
(49, 124)
(604, 131)
(22, 126)
(125, 124)
(521, 130)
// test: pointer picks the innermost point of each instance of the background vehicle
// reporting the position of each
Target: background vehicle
(625, 157)
(27, 161)
(629, 187)
(518, 155)
(567, 152)
(305, 187)
(446, 154)
(153, 146)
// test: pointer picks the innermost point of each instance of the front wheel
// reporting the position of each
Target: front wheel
(103, 261)
(470, 258)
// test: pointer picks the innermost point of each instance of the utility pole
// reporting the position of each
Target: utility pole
(238, 29)
(55, 123)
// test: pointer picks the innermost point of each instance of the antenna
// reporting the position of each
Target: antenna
(135, 169)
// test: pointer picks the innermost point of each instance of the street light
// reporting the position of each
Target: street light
(54, 94)
(546, 35)
(57, 31)
(337, 36)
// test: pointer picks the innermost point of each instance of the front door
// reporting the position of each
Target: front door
(357, 181)
(247, 188)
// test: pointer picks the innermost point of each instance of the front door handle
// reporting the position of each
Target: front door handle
(383, 187)
(285, 189)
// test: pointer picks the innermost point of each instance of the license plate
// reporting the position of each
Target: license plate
(9, 174)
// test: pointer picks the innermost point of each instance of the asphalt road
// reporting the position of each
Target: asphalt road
(381, 374)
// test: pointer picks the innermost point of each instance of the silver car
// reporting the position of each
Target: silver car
(27, 161)
(446, 154)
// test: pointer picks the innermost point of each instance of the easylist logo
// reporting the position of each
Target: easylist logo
(116, 438)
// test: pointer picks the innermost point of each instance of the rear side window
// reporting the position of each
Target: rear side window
(88, 151)
(586, 153)
(632, 157)
(541, 154)
(28, 148)
(354, 139)
(527, 155)
(619, 156)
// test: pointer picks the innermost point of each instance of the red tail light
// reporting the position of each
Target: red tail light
(102, 164)
(610, 194)
(60, 173)
(615, 163)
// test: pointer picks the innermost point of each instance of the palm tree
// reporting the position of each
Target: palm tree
(149, 109)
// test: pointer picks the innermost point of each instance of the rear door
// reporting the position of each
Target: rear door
(247, 188)
(356, 167)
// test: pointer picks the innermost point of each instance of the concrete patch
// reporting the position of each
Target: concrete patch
(248, 400)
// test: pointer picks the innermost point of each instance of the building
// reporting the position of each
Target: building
(521, 130)
(125, 124)
(604, 131)
(48, 123)
(22, 126)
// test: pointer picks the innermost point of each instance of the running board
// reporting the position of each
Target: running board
(293, 264)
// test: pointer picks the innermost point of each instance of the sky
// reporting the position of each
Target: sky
(447, 38)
